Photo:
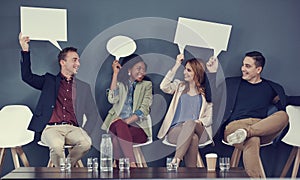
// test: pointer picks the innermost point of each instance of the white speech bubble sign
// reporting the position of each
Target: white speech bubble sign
(121, 46)
(44, 24)
(202, 34)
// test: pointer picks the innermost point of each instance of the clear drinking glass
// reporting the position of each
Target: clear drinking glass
(95, 164)
(89, 164)
(68, 164)
(171, 166)
(124, 164)
(224, 163)
(62, 164)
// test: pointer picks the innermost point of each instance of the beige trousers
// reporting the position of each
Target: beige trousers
(186, 137)
(56, 136)
(259, 131)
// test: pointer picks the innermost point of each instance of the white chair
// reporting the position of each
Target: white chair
(139, 157)
(68, 147)
(14, 120)
(292, 138)
(202, 145)
(236, 156)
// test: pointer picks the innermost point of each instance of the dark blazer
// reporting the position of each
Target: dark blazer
(48, 84)
(232, 86)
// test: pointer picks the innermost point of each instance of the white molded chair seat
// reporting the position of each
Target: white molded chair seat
(69, 147)
(14, 120)
(201, 145)
(292, 138)
(236, 155)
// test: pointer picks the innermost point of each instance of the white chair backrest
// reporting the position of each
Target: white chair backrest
(14, 120)
(292, 136)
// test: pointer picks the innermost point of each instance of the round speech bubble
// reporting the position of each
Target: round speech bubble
(121, 46)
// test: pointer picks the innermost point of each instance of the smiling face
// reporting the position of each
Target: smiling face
(70, 64)
(137, 72)
(251, 72)
(188, 73)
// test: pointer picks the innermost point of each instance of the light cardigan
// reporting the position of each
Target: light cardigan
(176, 87)
(142, 100)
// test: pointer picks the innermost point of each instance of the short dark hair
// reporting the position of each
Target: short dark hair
(62, 54)
(258, 57)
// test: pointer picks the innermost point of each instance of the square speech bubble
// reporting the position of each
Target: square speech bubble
(44, 24)
(202, 34)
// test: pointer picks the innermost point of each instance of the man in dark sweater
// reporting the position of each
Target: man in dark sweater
(246, 120)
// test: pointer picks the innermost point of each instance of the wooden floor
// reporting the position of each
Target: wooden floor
(134, 173)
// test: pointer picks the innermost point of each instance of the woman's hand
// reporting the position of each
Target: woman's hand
(179, 58)
(116, 66)
(131, 119)
(212, 64)
(118, 118)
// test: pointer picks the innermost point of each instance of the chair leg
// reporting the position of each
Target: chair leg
(79, 163)
(296, 164)
(2, 154)
(235, 157)
(115, 164)
(139, 157)
(289, 162)
(23, 157)
(50, 164)
(15, 157)
(199, 161)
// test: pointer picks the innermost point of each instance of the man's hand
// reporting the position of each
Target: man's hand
(212, 64)
(24, 42)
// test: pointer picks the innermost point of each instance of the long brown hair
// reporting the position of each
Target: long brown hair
(197, 66)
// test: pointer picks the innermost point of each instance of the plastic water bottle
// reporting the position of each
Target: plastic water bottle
(106, 154)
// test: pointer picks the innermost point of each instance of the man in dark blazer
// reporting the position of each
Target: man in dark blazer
(63, 103)
(246, 119)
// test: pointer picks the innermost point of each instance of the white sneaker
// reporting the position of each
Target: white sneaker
(237, 136)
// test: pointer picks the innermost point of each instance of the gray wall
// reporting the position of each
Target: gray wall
(270, 26)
